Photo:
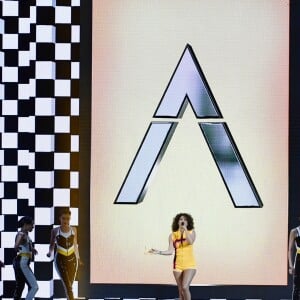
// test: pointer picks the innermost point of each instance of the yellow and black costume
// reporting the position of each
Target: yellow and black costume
(184, 256)
(65, 260)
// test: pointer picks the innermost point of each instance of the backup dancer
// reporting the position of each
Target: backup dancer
(294, 265)
(25, 252)
(64, 241)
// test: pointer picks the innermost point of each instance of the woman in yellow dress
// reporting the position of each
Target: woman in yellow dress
(181, 240)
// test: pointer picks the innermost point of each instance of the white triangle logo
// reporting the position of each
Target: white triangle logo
(188, 85)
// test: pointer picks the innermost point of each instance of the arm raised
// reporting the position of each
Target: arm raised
(190, 236)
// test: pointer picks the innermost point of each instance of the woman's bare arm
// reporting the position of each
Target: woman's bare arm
(169, 251)
(190, 237)
(290, 252)
(52, 242)
(76, 243)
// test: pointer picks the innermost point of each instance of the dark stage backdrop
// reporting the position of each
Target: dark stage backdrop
(45, 108)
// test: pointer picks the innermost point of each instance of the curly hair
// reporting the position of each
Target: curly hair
(189, 219)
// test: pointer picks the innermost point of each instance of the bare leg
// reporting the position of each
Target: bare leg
(178, 278)
(187, 278)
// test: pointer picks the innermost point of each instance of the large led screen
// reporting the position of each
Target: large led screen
(190, 114)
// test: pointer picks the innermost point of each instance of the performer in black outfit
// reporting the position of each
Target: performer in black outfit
(64, 240)
(294, 268)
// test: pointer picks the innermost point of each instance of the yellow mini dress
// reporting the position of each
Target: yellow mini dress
(184, 255)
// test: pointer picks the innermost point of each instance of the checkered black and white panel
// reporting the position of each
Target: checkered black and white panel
(39, 143)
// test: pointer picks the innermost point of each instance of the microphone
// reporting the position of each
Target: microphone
(181, 237)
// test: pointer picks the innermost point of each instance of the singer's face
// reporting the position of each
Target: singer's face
(182, 220)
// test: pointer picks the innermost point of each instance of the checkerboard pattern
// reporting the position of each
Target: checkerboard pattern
(39, 125)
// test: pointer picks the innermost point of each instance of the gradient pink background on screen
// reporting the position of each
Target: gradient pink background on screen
(242, 47)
